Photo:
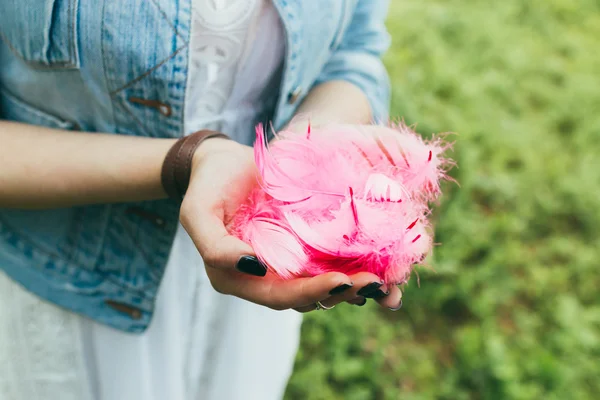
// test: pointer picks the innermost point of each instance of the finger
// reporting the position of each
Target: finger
(365, 285)
(393, 300)
(363, 282)
(339, 295)
(306, 309)
(277, 293)
(358, 301)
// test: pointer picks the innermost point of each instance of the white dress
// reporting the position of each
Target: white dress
(200, 345)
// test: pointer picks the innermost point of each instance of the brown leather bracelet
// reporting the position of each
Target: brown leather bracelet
(177, 167)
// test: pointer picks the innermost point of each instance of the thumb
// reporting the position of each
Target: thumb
(218, 248)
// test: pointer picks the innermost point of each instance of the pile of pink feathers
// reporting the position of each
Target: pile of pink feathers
(344, 198)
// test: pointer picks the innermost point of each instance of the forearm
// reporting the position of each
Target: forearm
(49, 168)
(334, 102)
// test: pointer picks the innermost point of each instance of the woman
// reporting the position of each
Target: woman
(103, 293)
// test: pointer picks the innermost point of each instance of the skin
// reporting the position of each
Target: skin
(44, 168)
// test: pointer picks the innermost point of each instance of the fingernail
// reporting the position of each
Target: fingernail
(397, 308)
(378, 294)
(251, 266)
(340, 289)
(364, 301)
(370, 288)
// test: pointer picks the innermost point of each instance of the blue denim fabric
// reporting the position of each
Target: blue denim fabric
(80, 65)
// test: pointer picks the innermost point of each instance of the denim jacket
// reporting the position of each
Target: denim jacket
(120, 67)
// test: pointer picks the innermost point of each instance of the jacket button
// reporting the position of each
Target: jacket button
(294, 95)
(133, 312)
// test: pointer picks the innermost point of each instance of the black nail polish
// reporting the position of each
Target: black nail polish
(364, 301)
(378, 294)
(251, 266)
(397, 308)
(340, 289)
(370, 288)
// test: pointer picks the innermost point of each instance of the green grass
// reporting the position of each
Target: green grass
(512, 310)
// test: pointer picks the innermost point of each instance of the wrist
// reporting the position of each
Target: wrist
(210, 147)
(181, 158)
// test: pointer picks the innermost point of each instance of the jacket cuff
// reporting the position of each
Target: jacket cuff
(368, 73)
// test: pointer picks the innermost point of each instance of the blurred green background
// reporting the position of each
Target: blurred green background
(512, 310)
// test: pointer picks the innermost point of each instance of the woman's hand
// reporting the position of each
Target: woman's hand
(78, 168)
(223, 175)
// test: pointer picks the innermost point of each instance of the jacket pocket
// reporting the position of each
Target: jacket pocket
(42, 33)
(14, 109)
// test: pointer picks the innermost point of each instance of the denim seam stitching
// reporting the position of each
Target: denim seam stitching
(73, 237)
(104, 65)
(109, 212)
(73, 27)
(166, 18)
(136, 243)
(36, 65)
(25, 238)
(160, 64)
(54, 66)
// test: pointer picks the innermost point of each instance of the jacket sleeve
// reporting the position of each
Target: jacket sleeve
(357, 59)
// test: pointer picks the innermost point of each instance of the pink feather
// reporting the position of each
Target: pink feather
(343, 198)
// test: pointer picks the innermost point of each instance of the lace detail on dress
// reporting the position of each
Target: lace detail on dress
(221, 31)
